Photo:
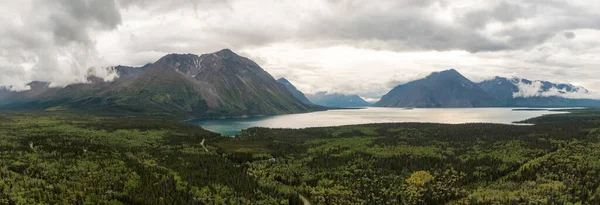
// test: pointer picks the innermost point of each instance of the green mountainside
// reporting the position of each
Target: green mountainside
(297, 93)
(221, 84)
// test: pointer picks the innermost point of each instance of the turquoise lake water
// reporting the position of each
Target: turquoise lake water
(371, 115)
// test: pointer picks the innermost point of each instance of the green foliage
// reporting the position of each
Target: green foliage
(62, 158)
(419, 178)
(431, 163)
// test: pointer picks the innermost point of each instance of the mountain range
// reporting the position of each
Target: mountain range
(224, 84)
(506, 89)
(449, 88)
(220, 84)
(337, 100)
(330, 100)
(440, 89)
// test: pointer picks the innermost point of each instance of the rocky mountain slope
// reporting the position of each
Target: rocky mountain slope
(220, 84)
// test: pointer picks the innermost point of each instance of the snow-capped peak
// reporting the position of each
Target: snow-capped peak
(537, 88)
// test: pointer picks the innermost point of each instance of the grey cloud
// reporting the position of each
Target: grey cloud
(67, 28)
(503, 12)
(72, 19)
(411, 29)
(200, 7)
(507, 12)
(525, 37)
(391, 25)
(569, 35)
(405, 26)
(350, 5)
(56, 37)
(551, 18)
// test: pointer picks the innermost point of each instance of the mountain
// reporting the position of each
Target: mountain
(220, 84)
(297, 93)
(128, 71)
(507, 89)
(450, 89)
(337, 100)
(518, 92)
(500, 88)
(5, 93)
(552, 101)
(440, 89)
(10, 98)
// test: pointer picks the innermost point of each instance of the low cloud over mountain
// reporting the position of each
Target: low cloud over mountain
(307, 42)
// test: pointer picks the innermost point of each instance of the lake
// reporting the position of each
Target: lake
(371, 115)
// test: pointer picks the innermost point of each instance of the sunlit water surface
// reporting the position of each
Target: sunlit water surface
(371, 115)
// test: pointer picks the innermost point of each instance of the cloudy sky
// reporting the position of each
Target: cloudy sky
(360, 47)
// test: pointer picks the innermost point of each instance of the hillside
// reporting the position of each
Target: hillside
(441, 89)
(220, 84)
(297, 93)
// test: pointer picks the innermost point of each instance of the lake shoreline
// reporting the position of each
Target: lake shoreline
(373, 115)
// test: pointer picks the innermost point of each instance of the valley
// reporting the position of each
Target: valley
(224, 84)
(319, 102)
(76, 158)
(161, 134)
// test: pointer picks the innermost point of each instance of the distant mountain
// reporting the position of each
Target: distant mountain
(297, 93)
(5, 94)
(500, 88)
(337, 100)
(518, 92)
(10, 98)
(440, 89)
(128, 71)
(552, 101)
(507, 89)
(220, 84)
(450, 89)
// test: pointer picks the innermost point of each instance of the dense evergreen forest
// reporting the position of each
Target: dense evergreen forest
(74, 158)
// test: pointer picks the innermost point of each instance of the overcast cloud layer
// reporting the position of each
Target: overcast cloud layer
(347, 46)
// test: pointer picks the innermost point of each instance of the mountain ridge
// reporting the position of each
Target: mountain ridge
(297, 93)
(520, 87)
(219, 84)
(337, 100)
(449, 88)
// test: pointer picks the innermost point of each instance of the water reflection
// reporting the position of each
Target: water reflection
(371, 115)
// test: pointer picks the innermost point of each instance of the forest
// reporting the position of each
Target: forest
(60, 157)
